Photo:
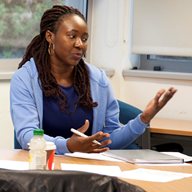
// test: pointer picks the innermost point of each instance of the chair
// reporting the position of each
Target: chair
(128, 112)
(16, 143)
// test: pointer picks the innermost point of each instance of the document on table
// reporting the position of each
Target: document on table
(14, 165)
(144, 156)
(186, 158)
(96, 156)
(138, 174)
(153, 175)
(99, 169)
(101, 156)
(163, 164)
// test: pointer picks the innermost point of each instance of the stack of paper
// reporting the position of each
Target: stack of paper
(140, 156)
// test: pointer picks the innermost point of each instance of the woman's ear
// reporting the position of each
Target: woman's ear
(49, 36)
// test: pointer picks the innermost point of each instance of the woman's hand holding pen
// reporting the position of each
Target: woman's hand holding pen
(157, 103)
(86, 144)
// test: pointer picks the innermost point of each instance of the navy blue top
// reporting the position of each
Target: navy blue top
(59, 123)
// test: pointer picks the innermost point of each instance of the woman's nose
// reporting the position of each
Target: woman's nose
(79, 43)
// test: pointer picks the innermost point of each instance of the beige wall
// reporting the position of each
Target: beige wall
(6, 128)
(111, 48)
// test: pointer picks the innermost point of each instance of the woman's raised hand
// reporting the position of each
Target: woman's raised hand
(157, 103)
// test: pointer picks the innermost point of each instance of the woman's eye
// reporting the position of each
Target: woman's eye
(71, 36)
(84, 39)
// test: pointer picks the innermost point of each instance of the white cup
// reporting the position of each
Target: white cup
(50, 148)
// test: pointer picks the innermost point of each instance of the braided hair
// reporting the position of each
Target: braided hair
(38, 50)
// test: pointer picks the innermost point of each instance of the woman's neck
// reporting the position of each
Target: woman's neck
(63, 74)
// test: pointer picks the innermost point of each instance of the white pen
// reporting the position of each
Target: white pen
(83, 135)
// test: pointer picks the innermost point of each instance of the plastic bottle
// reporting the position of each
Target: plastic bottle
(37, 152)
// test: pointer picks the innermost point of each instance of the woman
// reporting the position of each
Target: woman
(55, 89)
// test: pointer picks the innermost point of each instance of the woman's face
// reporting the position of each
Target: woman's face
(70, 40)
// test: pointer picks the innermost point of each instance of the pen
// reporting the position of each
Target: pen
(83, 135)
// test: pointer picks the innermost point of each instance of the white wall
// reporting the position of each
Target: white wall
(6, 128)
(110, 47)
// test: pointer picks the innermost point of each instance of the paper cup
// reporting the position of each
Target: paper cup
(50, 148)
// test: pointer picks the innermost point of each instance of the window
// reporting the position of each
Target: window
(166, 63)
(19, 23)
(161, 35)
(81, 5)
(162, 27)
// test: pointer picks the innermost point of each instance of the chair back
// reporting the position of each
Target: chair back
(16, 143)
(127, 112)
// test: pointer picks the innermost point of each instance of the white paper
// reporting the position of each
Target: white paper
(14, 165)
(164, 164)
(99, 169)
(96, 156)
(153, 175)
(138, 174)
(179, 155)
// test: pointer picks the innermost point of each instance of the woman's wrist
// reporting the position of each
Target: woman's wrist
(145, 118)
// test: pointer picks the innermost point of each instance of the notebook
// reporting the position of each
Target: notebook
(141, 156)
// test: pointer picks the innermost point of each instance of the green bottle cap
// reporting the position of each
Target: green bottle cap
(39, 132)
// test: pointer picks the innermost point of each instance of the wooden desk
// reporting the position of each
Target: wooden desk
(168, 129)
(172, 127)
(184, 185)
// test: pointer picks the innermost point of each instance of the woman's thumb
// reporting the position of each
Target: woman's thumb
(84, 128)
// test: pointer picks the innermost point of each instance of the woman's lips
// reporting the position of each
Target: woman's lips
(77, 56)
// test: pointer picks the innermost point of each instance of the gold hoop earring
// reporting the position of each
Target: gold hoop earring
(51, 48)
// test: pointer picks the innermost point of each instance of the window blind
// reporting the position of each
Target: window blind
(162, 27)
